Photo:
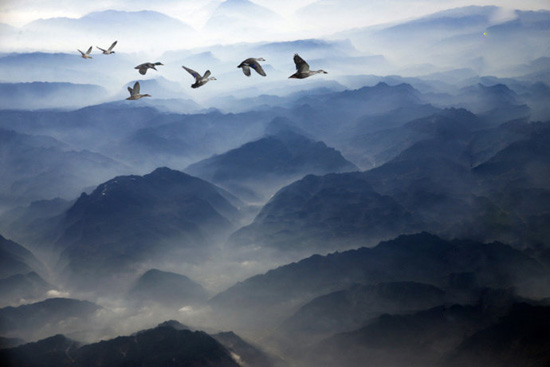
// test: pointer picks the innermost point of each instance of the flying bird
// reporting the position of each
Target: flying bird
(302, 69)
(134, 92)
(87, 54)
(199, 80)
(109, 50)
(146, 66)
(254, 64)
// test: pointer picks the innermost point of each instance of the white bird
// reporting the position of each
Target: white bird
(109, 50)
(87, 54)
(146, 66)
(134, 92)
(302, 69)
(199, 80)
(254, 64)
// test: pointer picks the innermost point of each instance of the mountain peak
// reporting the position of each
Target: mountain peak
(173, 324)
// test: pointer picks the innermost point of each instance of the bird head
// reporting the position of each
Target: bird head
(159, 63)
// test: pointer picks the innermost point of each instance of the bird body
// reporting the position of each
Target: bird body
(86, 55)
(302, 69)
(199, 80)
(146, 66)
(254, 64)
(109, 50)
(134, 92)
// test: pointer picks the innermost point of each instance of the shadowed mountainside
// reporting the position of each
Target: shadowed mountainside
(257, 169)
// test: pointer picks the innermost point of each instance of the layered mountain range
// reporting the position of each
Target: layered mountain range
(353, 218)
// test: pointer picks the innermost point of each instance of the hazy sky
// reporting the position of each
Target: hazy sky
(341, 13)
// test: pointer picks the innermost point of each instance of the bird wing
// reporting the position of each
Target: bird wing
(89, 50)
(192, 72)
(301, 65)
(80, 52)
(112, 46)
(142, 70)
(206, 74)
(101, 49)
(136, 88)
(256, 66)
(131, 91)
(246, 70)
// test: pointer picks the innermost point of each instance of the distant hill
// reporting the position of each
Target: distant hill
(454, 335)
(482, 30)
(347, 309)
(33, 224)
(264, 300)
(236, 16)
(34, 320)
(255, 168)
(519, 338)
(41, 95)
(166, 288)
(16, 259)
(22, 287)
(39, 167)
(166, 215)
(106, 24)
(457, 178)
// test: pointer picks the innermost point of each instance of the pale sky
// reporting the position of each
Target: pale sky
(296, 19)
(195, 12)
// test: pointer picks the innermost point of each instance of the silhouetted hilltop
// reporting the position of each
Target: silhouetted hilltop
(19, 287)
(160, 346)
(256, 168)
(15, 259)
(266, 300)
(31, 318)
(167, 288)
(143, 218)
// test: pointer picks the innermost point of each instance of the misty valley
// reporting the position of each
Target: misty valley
(379, 215)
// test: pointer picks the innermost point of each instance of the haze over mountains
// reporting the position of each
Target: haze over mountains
(395, 208)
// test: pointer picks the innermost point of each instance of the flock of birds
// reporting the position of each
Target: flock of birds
(302, 70)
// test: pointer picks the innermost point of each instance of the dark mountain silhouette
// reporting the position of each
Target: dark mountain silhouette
(266, 300)
(57, 350)
(497, 331)
(166, 215)
(35, 319)
(353, 307)
(158, 346)
(379, 139)
(455, 178)
(166, 345)
(520, 338)
(16, 259)
(419, 339)
(33, 224)
(20, 287)
(167, 288)
(6, 343)
(257, 169)
(524, 163)
(321, 213)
